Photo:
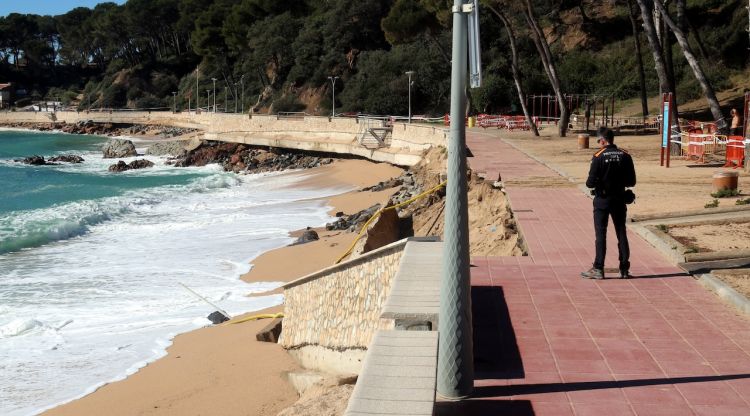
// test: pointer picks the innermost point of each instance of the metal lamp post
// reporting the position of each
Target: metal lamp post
(174, 101)
(226, 98)
(242, 95)
(455, 353)
(208, 98)
(235, 97)
(197, 93)
(214, 80)
(409, 73)
(333, 98)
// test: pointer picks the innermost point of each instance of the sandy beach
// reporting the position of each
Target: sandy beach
(223, 370)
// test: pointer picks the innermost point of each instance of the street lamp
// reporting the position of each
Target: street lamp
(208, 103)
(333, 98)
(197, 93)
(174, 101)
(214, 80)
(409, 73)
(242, 96)
(235, 97)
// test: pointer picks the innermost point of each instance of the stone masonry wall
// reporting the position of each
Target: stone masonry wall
(339, 307)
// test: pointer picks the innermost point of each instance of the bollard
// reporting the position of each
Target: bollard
(583, 141)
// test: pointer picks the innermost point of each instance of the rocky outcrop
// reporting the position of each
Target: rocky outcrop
(33, 160)
(171, 148)
(121, 166)
(66, 159)
(353, 222)
(237, 157)
(116, 148)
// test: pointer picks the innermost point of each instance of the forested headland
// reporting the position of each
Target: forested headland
(267, 55)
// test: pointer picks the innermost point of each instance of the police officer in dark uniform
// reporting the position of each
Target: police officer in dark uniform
(610, 173)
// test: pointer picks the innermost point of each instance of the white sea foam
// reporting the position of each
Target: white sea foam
(79, 312)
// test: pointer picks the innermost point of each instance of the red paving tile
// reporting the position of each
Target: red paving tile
(656, 345)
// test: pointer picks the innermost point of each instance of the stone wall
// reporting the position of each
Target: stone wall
(331, 316)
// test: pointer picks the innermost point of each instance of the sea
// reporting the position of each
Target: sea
(94, 265)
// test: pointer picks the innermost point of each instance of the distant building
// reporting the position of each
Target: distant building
(6, 91)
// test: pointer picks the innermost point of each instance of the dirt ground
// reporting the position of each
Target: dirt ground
(685, 185)
(713, 237)
(738, 280)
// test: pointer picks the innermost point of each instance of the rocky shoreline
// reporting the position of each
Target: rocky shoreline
(103, 129)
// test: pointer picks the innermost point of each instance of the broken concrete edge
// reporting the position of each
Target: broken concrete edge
(699, 267)
(270, 332)
(725, 292)
(717, 255)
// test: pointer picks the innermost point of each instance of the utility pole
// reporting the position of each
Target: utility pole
(409, 73)
(333, 98)
(174, 101)
(226, 98)
(235, 98)
(197, 93)
(748, 22)
(455, 367)
(208, 100)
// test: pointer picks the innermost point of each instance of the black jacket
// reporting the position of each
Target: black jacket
(611, 172)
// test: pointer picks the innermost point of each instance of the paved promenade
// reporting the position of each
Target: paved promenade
(548, 342)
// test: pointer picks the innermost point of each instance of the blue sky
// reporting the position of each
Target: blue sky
(51, 7)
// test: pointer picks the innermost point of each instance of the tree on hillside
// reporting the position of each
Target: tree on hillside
(639, 57)
(550, 68)
(646, 7)
(514, 66)
(700, 75)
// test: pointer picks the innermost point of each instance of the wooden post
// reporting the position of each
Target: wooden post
(747, 156)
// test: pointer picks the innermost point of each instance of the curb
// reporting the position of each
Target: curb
(725, 292)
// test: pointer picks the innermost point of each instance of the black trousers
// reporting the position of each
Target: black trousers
(603, 209)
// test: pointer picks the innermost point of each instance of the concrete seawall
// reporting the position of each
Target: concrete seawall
(320, 134)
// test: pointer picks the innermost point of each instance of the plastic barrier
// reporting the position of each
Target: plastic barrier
(735, 152)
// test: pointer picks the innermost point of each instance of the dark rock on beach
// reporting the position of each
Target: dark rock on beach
(34, 160)
(352, 222)
(116, 148)
(237, 157)
(306, 237)
(66, 159)
(121, 166)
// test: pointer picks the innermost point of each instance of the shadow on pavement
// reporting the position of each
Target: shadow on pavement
(484, 408)
(496, 354)
(523, 389)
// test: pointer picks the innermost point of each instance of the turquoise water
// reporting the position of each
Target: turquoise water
(26, 187)
(93, 263)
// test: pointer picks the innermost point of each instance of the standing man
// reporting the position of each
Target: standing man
(610, 173)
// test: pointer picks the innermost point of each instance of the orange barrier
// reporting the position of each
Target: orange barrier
(735, 152)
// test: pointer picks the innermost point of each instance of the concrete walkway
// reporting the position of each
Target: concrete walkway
(548, 342)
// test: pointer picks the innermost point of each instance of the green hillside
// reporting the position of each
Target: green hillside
(277, 56)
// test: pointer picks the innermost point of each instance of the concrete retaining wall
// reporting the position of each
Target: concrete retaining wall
(321, 134)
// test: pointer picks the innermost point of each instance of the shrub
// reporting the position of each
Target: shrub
(725, 193)
(712, 204)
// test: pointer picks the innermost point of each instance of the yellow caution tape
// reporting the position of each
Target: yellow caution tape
(377, 214)
(255, 318)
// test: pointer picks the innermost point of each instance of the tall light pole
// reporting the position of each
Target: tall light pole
(235, 98)
(214, 80)
(174, 101)
(409, 73)
(333, 98)
(197, 93)
(208, 102)
(226, 98)
(455, 352)
(242, 96)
